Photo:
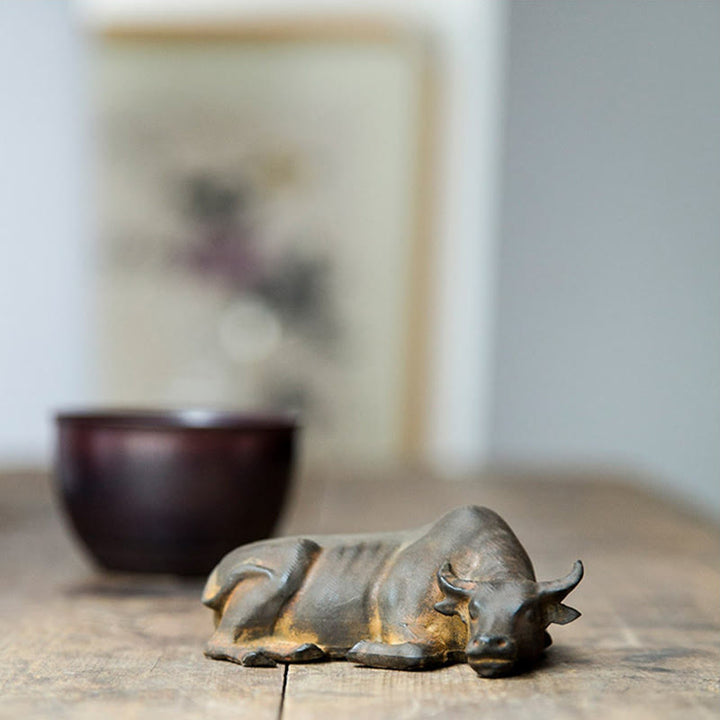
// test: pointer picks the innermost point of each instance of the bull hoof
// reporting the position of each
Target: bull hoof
(288, 653)
(257, 658)
(307, 652)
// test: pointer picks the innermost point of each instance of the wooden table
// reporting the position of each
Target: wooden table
(75, 643)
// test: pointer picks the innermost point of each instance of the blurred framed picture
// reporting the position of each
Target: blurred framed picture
(261, 226)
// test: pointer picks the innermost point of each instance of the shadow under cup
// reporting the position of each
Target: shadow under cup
(172, 492)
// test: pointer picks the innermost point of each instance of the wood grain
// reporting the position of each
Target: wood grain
(75, 643)
(79, 644)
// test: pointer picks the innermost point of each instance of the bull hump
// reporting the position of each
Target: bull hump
(492, 542)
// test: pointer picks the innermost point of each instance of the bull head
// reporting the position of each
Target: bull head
(506, 618)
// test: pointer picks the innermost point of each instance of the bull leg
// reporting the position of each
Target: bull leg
(251, 610)
(254, 604)
(409, 647)
(400, 656)
(288, 652)
(267, 652)
(249, 655)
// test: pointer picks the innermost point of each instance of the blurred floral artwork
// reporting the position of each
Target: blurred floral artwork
(257, 231)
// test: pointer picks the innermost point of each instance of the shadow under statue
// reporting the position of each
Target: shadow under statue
(460, 590)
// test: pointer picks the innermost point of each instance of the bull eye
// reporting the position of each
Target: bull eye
(530, 614)
(473, 611)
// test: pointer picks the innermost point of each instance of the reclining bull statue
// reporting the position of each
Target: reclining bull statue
(460, 590)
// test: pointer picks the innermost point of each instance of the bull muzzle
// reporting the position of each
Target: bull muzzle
(492, 655)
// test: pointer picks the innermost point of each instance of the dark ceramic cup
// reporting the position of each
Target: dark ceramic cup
(172, 492)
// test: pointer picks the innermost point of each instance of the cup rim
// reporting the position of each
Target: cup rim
(190, 418)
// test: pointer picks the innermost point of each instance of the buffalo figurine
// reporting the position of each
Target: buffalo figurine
(460, 590)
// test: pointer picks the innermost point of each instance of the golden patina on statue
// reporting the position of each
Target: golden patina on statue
(460, 590)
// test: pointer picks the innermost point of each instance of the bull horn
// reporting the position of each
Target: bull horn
(560, 588)
(452, 585)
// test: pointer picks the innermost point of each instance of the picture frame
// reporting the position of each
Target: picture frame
(265, 213)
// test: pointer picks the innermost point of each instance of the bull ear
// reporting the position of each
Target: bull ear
(452, 585)
(557, 589)
(561, 614)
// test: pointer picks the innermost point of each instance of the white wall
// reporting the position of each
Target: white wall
(43, 224)
(609, 278)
